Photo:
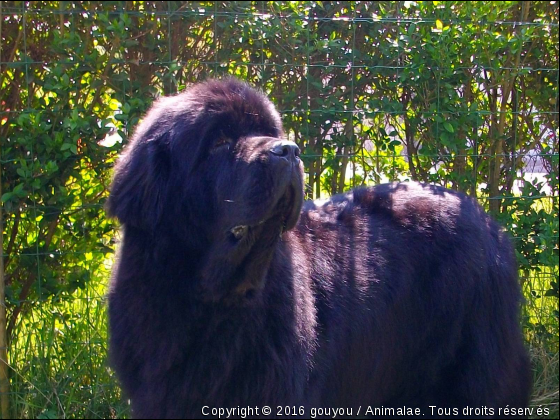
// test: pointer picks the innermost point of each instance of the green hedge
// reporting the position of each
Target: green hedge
(462, 94)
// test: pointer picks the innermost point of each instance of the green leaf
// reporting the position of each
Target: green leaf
(551, 292)
(47, 415)
(18, 191)
(7, 197)
(448, 127)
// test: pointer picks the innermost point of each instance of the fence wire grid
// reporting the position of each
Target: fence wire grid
(460, 94)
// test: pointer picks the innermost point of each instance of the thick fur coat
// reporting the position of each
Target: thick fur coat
(229, 291)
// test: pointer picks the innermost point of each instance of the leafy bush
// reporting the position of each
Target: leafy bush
(463, 94)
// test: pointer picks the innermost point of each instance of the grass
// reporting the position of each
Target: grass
(545, 385)
(59, 367)
(540, 312)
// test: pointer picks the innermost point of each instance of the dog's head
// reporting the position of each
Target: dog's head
(212, 164)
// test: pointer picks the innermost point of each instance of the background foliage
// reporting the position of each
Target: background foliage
(462, 94)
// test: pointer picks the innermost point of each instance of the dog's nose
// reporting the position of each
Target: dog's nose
(286, 149)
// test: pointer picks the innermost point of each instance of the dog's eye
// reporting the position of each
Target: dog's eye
(239, 232)
(223, 141)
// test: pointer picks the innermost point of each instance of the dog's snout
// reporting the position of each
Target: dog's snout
(286, 149)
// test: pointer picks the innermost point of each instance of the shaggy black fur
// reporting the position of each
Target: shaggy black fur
(228, 291)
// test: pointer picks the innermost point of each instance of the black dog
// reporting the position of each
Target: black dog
(231, 293)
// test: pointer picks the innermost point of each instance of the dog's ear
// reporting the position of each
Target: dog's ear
(140, 183)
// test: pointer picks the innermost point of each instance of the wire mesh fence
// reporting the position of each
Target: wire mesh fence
(462, 94)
